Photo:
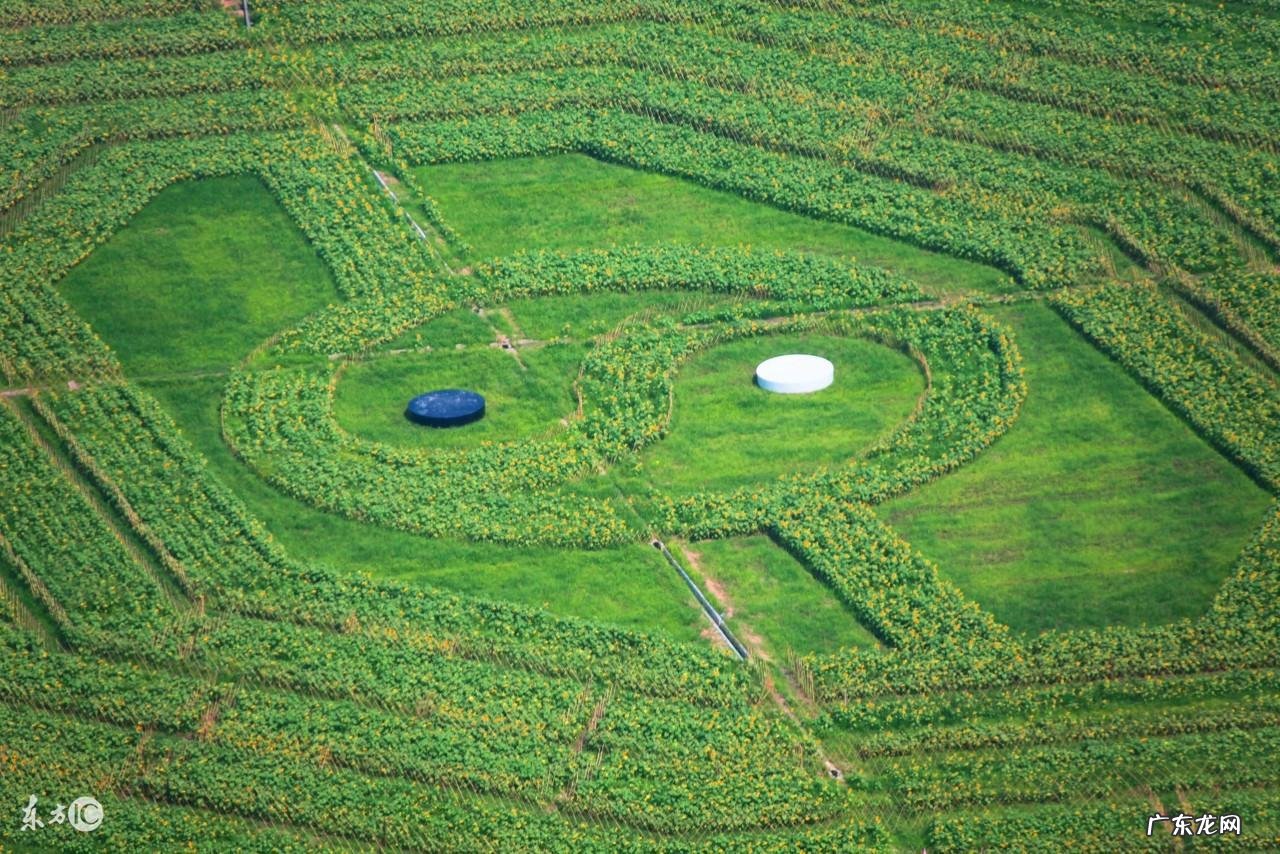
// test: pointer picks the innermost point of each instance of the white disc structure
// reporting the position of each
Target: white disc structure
(795, 373)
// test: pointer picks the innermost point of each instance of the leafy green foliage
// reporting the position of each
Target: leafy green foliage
(1205, 383)
(207, 673)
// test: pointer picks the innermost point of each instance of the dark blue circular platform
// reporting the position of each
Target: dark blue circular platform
(449, 407)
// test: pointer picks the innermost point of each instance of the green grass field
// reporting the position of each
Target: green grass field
(460, 326)
(229, 245)
(726, 432)
(523, 398)
(573, 201)
(628, 586)
(203, 274)
(247, 605)
(771, 602)
(1099, 506)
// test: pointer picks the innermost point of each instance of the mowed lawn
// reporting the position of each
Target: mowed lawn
(771, 602)
(1098, 507)
(572, 201)
(629, 586)
(727, 432)
(523, 399)
(210, 269)
(206, 272)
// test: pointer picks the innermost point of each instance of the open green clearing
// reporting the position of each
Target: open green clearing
(202, 275)
(460, 326)
(727, 432)
(522, 398)
(227, 243)
(771, 602)
(627, 586)
(573, 201)
(154, 636)
(1099, 507)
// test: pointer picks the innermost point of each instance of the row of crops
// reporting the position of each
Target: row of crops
(171, 745)
(885, 54)
(980, 183)
(495, 493)
(158, 643)
(941, 141)
(1245, 303)
(512, 731)
(1228, 403)
(31, 13)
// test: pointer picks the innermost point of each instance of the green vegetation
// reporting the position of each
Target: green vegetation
(1057, 548)
(460, 326)
(1099, 507)
(573, 201)
(200, 277)
(225, 246)
(523, 398)
(628, 586)
(726, 432)
(770, 601)
(588, 315)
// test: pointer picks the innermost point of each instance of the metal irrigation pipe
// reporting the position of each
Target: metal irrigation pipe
(716, 619)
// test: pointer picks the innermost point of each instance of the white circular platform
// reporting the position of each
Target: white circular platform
(795, 374)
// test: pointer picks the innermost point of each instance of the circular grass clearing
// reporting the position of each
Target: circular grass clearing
(519, 402)
(727, 432)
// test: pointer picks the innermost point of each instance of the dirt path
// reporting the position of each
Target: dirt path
(755, 645)
(31, 390)
(238, 10)
(750, 638)
(390, 183)
(717, 591)
(567, 792)
(502, 340)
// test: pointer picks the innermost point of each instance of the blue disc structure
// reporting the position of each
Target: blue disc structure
(449, 407)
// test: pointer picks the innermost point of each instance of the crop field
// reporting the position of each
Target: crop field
(1012, 582)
